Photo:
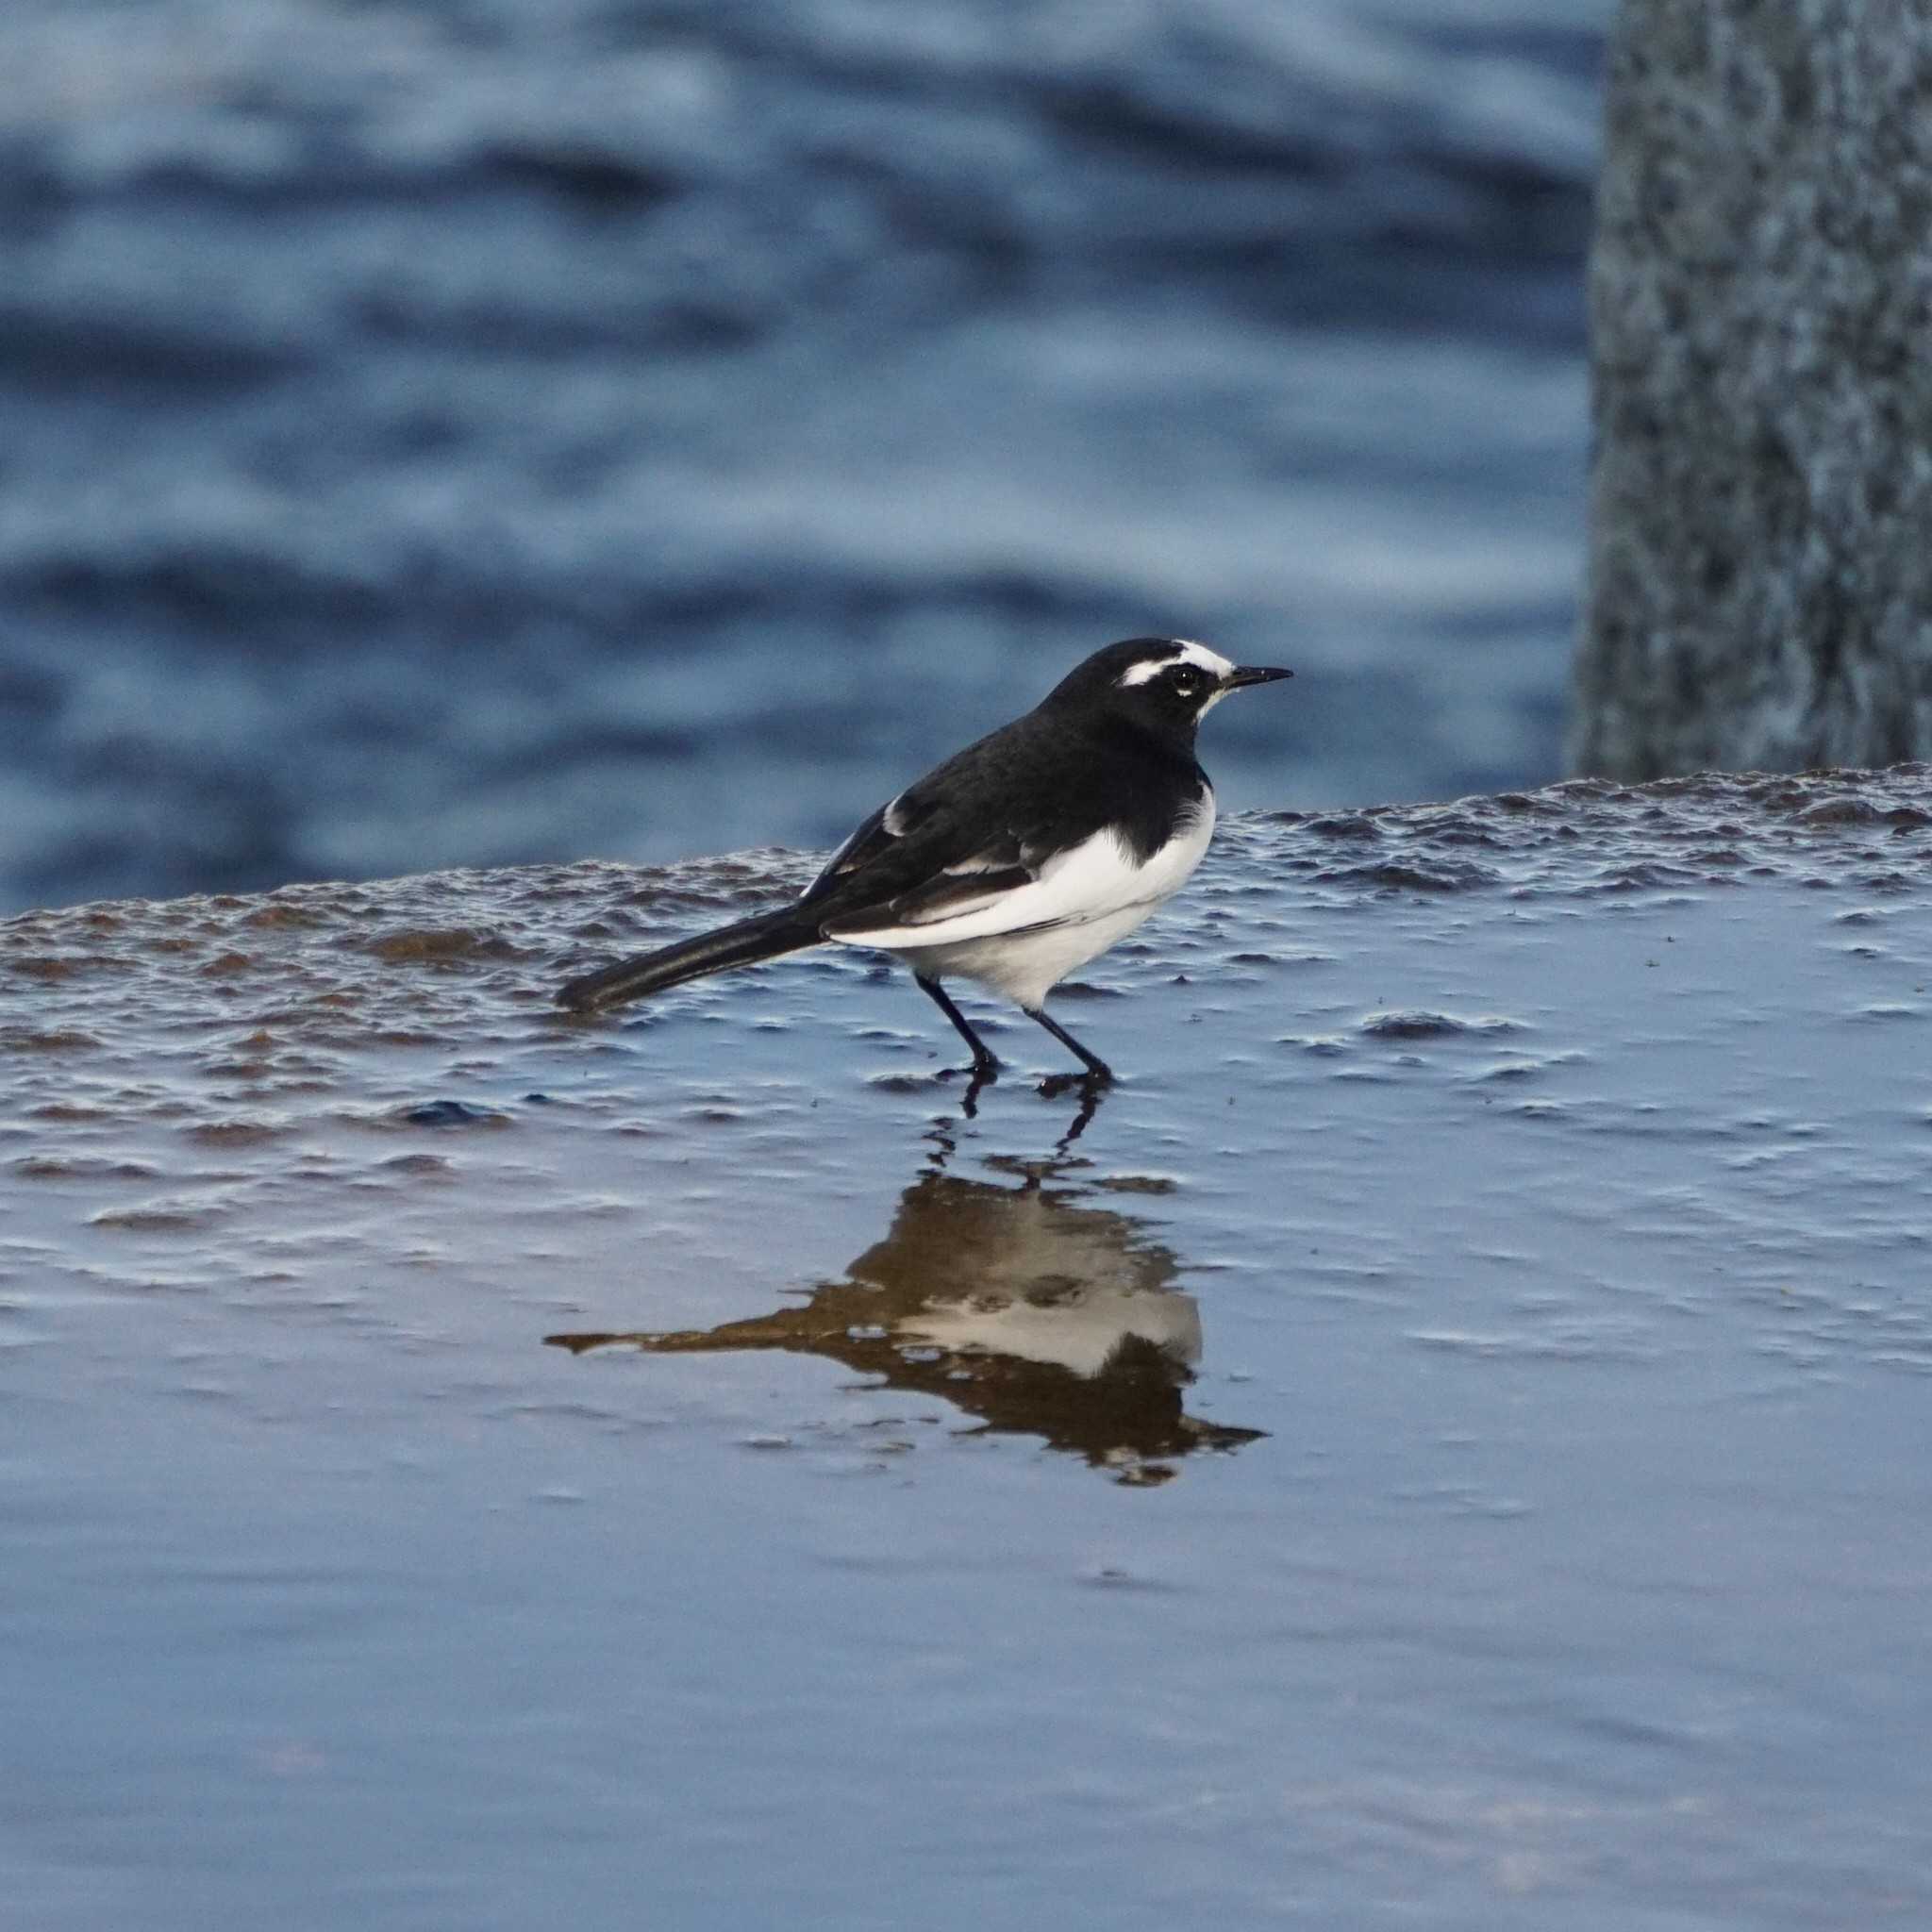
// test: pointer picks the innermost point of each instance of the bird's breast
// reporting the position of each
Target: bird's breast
(1103, 874)
(1167, 868)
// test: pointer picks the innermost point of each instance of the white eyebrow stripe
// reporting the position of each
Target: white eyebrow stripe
(1184, 652)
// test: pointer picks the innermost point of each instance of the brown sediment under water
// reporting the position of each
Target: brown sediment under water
(1446, 1443)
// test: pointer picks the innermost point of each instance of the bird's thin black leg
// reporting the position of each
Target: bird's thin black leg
(1097, 1069)
(985, 1065)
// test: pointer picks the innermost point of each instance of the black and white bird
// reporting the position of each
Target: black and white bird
(1017, 860)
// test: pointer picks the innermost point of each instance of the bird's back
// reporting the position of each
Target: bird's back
(1012, 800)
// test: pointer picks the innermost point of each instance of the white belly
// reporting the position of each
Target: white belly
(1023, 942)
(1027, 966)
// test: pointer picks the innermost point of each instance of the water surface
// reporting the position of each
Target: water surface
(1444, 1445)
(476, 431)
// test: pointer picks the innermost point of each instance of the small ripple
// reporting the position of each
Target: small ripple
(1412, 875)
(1324, 1046)
(1418, 1024)
(434, 944)
(1917, 1360)
(80, 1167)
(1465, 1499)
(417, 1165)
(47, 1039)
(905, 1083)
(1086, 990)
(159, 1217)
(1854, 810)
(1566, 1344)
(237, 1133)
(1351, 825)
(1643, 875)
(49, 970)
(449, 1113)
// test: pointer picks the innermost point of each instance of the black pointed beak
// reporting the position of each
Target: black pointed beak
(1256, 674)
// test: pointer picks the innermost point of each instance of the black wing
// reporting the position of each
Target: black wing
(963, 831)
(987, 820)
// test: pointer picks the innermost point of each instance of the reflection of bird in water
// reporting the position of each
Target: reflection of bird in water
(1036, 1312)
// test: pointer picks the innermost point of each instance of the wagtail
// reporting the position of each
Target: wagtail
(1018, 859)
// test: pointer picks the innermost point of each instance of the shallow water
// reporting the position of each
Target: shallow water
(1446, 1444)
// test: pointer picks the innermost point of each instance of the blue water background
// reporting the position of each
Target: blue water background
(483, 431)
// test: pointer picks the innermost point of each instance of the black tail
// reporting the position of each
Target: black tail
(743, 944)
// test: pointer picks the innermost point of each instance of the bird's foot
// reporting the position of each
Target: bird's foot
(977, 1075)
(1094, 1082)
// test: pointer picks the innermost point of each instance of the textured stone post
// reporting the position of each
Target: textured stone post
(1761, 564)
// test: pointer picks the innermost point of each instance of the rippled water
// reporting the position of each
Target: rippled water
(1444, 1445)
(484, 431)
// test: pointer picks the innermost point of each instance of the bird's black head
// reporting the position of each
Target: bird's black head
(1165, 686)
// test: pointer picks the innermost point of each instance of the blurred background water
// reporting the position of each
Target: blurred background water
(484, 431)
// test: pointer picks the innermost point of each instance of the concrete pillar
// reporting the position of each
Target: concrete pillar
(1760, 554)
